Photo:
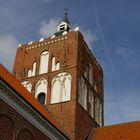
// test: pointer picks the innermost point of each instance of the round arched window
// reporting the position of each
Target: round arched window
(25, 134)
(41, 98)
(7, 128)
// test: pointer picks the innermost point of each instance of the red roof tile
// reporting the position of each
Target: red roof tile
(124, 131)
(10, 80)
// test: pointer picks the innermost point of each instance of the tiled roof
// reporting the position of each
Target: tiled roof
(10, 80)
(124, 131)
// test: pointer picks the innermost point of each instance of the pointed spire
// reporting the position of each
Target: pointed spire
(64, 26)
(65, 19)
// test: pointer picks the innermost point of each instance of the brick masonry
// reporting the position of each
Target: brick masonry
(13, 126)
(73, 54)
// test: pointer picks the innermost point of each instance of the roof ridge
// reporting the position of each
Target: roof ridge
(119, 124)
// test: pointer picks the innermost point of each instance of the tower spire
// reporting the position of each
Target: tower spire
(64, 25)
(65, 19)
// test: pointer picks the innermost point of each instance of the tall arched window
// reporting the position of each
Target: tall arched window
(41, 87)
(27, 85)
(44, 61)
(82, 92)
(86, 72)
(61, 87)
(97, 110)
(29, 73)
(56, 89)
(91, 74)
(57, 66)
(91, 103)
(41, 98)
(34, 69)
(101, 110)
(53, 64)
(7, 128)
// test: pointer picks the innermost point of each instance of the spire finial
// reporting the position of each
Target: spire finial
(65, 24)
(65, 19)
(66, 11)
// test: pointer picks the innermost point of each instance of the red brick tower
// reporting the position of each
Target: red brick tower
(64, 76)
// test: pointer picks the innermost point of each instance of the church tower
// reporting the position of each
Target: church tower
(64, 76)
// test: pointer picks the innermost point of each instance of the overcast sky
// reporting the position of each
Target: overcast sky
(111, 28)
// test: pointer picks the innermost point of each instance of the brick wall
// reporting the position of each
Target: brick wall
(13, 126)
(73, 54)
(65, 51)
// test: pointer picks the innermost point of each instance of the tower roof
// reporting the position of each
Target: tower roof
(64, 25)
(65, 19)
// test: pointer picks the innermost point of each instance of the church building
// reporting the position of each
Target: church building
(64, 76)
(56, 92)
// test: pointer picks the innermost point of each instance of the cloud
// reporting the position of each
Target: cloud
(100, 31)
(48, 28)
(125, 52)
(89, 36)
(8, 44)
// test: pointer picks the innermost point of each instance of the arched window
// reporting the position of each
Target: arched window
(56, 87)
(34, 69)
(62, 26)
(27, 85)
(97, 110)
(82, 92)
(91, 74)
(95, 87)
(41, 87)
(7, 128)
(25, 134)
(57, 66)
(101, 110)
(86, 72)
(61, 87)
(29, 73)
(44, 61)
(91, 104)
(41, 98)
(53, 64)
